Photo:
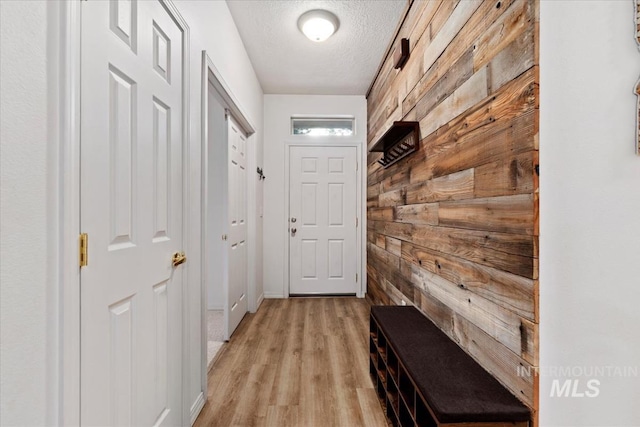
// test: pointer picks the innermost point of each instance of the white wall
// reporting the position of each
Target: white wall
(278, 110)
(28, 215)
(212, 29)
(590, 209)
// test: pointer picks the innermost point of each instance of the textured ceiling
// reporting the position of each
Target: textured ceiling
(286, 62)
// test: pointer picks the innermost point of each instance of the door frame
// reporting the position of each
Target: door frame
(360, 209)
(211, 75)
(69, 19)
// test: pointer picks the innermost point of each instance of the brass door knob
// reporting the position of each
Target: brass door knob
(178, 258)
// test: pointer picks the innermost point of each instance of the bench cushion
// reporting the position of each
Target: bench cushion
(454, 385)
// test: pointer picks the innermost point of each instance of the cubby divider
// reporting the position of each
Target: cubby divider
(392, 366)
(406, 419)
(423, 416)
(392, 392)
(407, 390)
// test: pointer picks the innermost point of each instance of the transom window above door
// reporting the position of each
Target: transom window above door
(322, 126)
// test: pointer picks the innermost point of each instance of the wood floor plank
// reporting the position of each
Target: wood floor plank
(296, 362)
(370, 407)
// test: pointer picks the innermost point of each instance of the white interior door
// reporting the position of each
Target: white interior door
(322, 220)
(237, 223)
(217, 211)
(131, 208)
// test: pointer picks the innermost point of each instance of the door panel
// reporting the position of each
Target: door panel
(122, 104)
(336, 259)
(161, 161)
(336, 204)
(322, 200)
(131, 208)
(237, 240)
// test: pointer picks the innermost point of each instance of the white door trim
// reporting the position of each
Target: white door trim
(210, 74)
(69, 219)
(360, 208)
(69, 197)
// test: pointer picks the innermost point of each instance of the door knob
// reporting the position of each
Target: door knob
(293, 231)
(178, 258)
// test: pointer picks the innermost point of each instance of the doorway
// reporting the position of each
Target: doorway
(225, 240)
(323, 220)
(226, 255)
(215, 262)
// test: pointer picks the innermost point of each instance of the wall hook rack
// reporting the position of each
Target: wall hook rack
(398, 142)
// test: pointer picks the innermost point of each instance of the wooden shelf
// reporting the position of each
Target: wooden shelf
(396, 132)
(398, 142)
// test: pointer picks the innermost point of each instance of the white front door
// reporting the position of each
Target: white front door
(237, 223)
(322, 220)
(131, 208)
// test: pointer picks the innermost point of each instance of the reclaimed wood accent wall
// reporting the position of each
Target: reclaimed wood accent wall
(453, 228)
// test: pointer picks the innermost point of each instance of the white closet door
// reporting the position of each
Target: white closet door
(237, 223)
(131, 209)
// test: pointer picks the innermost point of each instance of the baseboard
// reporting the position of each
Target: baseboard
(216, 307)
(197, 407)
(268, 295)
(259, 302)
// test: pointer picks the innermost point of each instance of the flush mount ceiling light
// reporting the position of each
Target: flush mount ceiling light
(318, 25)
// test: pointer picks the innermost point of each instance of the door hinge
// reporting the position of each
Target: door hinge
(227, 113)
(356, 222)
(356, 277)
(83, 252)
(356, 165)
(224, 237)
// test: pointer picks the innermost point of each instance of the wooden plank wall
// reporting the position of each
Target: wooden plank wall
(453, 228)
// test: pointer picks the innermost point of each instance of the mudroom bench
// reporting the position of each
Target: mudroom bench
(423, 378)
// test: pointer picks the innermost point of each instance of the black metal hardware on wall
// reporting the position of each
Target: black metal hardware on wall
(401, 54)
(398, 142)
(261, 174)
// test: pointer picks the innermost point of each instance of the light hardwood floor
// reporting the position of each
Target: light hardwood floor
(296, 362)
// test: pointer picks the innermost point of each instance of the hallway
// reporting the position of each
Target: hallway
(296, 362)
(478, 160)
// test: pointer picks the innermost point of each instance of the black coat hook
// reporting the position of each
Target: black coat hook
(261, 174)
